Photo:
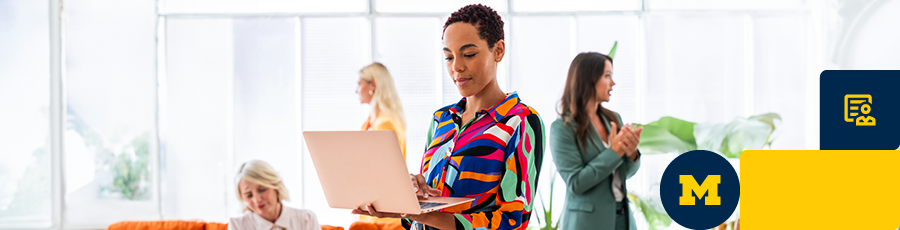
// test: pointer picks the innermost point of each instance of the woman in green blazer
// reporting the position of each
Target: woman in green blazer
(593, 152)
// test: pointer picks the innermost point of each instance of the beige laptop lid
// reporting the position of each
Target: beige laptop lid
(357, 168)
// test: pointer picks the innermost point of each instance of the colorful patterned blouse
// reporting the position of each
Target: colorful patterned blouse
(494, 159)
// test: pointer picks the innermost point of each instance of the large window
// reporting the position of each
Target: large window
(196, 122)
(160, 101)
(333, 50)
(110, 146)
(25, 149)
(261, 7)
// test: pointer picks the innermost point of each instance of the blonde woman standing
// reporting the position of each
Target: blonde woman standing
(261, 189)
(376, 88)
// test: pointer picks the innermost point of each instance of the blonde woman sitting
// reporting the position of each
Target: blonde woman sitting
(261, 189)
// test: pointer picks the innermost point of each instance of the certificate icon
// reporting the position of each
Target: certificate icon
(851, 125)
(856, 109)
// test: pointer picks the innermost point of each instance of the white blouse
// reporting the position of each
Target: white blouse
(618, 193)
(290, 219)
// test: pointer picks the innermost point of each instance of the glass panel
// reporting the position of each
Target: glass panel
(780, 73)
(25, 197)
(696, 67)
(333, 51)
(246, 84)
(265, 121)
(445, 7)
(110, 147)
(195, 124)
(542, 51)
(575, 5)
(263, 6)
(725, 4)
(872, 44)
(539, 79)
(409, 48)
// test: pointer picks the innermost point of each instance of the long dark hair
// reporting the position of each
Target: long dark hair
(584, 73)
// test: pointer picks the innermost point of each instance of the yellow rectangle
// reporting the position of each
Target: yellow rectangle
(820, 189)
(857, 101)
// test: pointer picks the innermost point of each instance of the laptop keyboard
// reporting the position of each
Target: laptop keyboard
(424, 205)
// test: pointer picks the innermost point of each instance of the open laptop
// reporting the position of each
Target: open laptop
(357, 168)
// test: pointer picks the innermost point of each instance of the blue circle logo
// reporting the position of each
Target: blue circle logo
(700, 189)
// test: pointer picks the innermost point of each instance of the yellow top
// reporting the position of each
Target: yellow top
(386, 123)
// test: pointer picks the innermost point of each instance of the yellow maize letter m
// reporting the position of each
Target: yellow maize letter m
(710, 186)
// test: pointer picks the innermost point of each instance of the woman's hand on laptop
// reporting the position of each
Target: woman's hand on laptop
(371, 211)
(422, 191)
(421, 187)
(434, 219)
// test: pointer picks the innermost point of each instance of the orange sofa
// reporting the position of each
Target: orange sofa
(368, 223)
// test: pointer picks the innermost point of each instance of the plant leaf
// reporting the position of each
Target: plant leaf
(666, 135)
(612, 52)
(746, 135)
(710, 136)
(768, 118)
(656, 219)
(545, 219)
(682, 129)
(730, 139)
(658, 140)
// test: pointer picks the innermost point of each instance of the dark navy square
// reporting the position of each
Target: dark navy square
(843, 95)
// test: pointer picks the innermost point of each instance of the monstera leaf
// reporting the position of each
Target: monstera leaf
(653, 211)
(730, 139)
(670, 134)
(667, 135)
(769, 118)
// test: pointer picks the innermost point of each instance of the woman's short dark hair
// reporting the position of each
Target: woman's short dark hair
(485, 19)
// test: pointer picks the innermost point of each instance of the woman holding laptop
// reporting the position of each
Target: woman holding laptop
(487, 146)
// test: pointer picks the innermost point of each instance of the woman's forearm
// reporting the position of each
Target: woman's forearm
(438, 220)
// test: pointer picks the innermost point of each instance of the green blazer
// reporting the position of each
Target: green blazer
(590, 203)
